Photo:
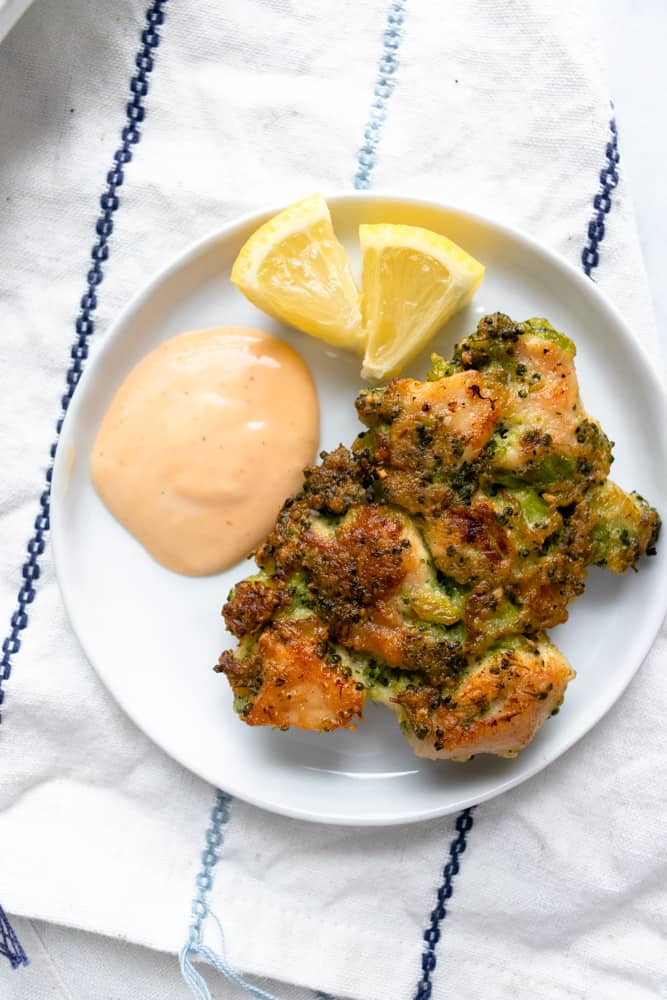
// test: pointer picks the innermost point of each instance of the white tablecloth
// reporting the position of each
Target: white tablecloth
(500, 107)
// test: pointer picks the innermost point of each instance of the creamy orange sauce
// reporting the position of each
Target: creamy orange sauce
(204, 440)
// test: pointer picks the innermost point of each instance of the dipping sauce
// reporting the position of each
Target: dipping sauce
(203, 442)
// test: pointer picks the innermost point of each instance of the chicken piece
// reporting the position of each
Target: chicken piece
(420, 568)
(497, 707)
(544, 438)
(425, 436)
(472, 541)
(287, 678)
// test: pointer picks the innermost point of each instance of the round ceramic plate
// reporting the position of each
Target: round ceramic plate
(153, 636)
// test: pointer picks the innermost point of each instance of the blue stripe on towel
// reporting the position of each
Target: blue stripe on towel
(84, 325)
(590, 258)
(384, 87)
(10, 946)
(458, 845)
(590, 255)
(194, 947)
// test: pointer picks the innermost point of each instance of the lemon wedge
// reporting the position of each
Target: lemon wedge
(294, 269)
(414, 280)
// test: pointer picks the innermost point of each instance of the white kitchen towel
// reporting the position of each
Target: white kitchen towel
(501, 107)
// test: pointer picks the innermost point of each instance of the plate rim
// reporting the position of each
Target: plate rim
(643, 640)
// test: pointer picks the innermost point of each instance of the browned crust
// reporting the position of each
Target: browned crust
(253, 604)
(470, 541)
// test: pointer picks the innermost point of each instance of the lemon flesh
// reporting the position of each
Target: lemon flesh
(294, 269)
(413, 282)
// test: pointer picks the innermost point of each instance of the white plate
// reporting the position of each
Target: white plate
(10, 12)
(153, 636)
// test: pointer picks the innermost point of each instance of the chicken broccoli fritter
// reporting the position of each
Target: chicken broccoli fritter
(420, 567)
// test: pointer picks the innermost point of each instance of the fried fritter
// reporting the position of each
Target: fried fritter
(421, 567)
